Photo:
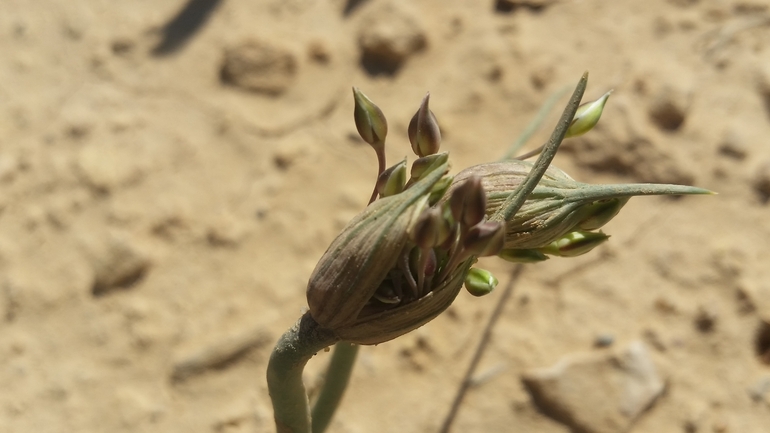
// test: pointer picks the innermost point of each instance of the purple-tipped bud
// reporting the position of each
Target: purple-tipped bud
(424, 133)
(468, 202)
(423, 261)
(515, 255)
(575, 243)
(370, 122)
(430, 229)
(392, 180)
(484, 239)
(480, 282)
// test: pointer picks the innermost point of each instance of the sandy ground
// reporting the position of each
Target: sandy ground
(162, 206)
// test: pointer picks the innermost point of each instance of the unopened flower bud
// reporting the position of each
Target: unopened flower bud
(423, 131)
(468, 202)
(392, 180)
(370, 121)
(484, 239)
(386, 294)
(516, 255)
(480, 282)
(587, 116)
(430, 229)
(556, 206)
(601, 212)
(575, 243)
(439, 189)
(363, 254)
(422, 166)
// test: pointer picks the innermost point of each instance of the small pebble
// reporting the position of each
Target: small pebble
(388, 37)
(733, 146)
(604, 340)
(259, 66)
(668, 109)
(705, 320)
(116, 264)
(761, 182)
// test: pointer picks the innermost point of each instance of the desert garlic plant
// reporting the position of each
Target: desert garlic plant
(403, 260)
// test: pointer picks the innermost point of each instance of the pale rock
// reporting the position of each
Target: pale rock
(9, 166)
(668, 109)
(388, 37)
(105, 168)
(597, 393)
(260, 67)
(226, 231)
(513, 5)
(116, 263)
(761, 181)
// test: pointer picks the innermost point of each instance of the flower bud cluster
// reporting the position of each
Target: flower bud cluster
(403, 260)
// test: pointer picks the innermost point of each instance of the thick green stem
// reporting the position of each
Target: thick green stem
(335, 383)
(284, 373)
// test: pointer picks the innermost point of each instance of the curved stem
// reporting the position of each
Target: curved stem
(284, 373)
(335, 382)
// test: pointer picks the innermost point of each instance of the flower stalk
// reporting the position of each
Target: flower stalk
(403, 260)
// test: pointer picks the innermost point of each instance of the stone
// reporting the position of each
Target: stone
(705, 320)
(259, 66)
(597, 393)
(387, 38)
(733, 146)
(761, 181)
(507, 6)
(225, 231)
(105, 168)
(668, 109)
(762, 342)
(9, 167)
(116, 264)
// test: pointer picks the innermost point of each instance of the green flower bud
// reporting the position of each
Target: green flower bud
(468, 202)
(370, 121)
(557, 206)
(601, 212)
(484, 239)
(422, 166)
(423, 131)
(587, 116)
(392, 180)
(575, 243)
(480, 282)
(522, 256)
(439, 189)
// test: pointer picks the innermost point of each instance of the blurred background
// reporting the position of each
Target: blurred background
(170, 172)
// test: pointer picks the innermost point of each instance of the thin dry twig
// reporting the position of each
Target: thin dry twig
(718, 38)
(486, 337)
